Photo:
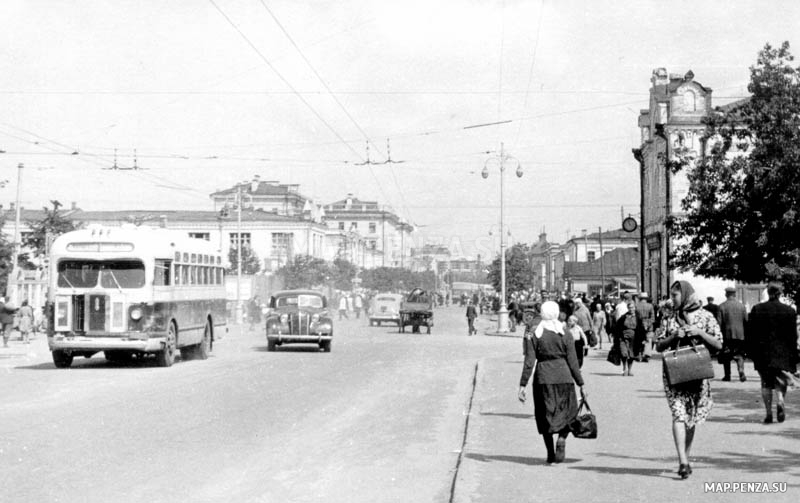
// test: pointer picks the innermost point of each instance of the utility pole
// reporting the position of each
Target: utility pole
(602, 266)
(17, 219)
(239, 254)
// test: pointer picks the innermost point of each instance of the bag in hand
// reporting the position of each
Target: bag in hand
(688, 363)
(614, 357)
(591, 338)
(584, 425)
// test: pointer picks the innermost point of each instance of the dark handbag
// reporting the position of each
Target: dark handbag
(591, 338)
(614, 357)
(585, 424)
(687, 363)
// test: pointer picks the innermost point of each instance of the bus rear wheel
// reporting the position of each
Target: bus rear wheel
(166, 356)
(202, 349)
(62, 359)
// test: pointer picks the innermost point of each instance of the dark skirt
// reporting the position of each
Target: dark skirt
(579, 352)
(626, 348)
(555, 405)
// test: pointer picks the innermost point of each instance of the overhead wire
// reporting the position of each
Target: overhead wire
(530, 72)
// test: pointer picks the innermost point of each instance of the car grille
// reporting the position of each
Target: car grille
(299, 323)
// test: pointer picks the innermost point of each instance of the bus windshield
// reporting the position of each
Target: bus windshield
(111, 273)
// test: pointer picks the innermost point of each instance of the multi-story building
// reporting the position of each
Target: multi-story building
(544, 265)
(589, 248)
(382, 230)
(671, 127)
(615, 271)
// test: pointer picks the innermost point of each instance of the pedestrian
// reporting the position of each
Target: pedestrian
(343, 307)
(689, 402)
(512, 315)
(557, 372)
(584, 320)
(579, 336)
(609, 310)
(7, 311)
(772, 340)
(732, 320)
(358, 304)
(712, 308)
(599, 323)
(646, 316)
(471, 315)
(254, 311)
(25, 315)
(625, 337)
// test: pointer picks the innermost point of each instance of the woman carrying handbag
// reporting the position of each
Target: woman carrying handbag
(690, 402)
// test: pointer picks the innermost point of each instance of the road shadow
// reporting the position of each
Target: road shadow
(522, 460)
(738, 404)
(771, 430)
(508, 414)
(99, 362)
(608, 470)
(289, 349)
(776, 460)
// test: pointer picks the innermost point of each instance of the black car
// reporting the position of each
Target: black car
(299, 316)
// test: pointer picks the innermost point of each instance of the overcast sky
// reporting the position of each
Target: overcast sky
(209, 100)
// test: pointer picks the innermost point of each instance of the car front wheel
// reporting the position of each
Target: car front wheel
(325, 346)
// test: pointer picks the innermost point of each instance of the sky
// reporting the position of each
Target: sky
(209, 93)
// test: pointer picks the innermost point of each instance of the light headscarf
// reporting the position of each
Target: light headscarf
(549, 321)
(690, 302)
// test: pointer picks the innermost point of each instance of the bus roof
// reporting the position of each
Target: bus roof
(127, 240)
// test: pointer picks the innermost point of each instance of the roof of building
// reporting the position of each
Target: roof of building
(615, 234)
(265, 188)
(354, 202)
(617, 262)
(79, 215)
(733, 107)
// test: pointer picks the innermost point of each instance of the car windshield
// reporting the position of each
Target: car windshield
(111, 273)
(386, 299)
(302, 300)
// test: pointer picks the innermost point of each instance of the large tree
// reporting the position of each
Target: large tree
(741, 217)
(6, 253)
(397, 279)
(304, 271)
(342, 273)
(250, 262)
(519, 270)
(44, 231)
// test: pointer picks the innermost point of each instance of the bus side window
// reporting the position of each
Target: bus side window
(177, 274)
(162, 273)
(185, 274)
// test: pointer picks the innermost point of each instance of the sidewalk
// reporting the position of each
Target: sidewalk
(633, 458)
(17, 353)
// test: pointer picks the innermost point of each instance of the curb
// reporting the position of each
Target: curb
(476, 378)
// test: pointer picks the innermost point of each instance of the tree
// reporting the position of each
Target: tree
(250, 262)
(44, 231)
(519, 271)
(741, 217)
(6, 254)
(304, 271)
(397, 279)
(342, 273)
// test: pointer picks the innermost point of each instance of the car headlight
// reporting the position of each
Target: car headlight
(136, 313)
(314, 318)
(284, 319)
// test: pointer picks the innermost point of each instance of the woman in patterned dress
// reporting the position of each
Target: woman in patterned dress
(689, 402)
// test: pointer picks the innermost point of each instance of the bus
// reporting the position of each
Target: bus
(131, 292)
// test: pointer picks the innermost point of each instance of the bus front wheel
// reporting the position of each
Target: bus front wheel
(62, 359)
(166, 356)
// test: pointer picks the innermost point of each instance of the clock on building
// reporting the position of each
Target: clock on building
(629, 224)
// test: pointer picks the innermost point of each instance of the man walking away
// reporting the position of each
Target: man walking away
(584, 317)
(471, 315)
(646, 315)
(343, 307)
(772, 339)
(732, 319)
(6, 319)
(358, 303)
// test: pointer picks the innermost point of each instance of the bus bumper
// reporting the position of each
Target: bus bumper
(78, 343)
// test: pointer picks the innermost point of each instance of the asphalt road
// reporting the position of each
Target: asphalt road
(380, 418)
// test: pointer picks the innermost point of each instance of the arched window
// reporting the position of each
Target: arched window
(689, 101)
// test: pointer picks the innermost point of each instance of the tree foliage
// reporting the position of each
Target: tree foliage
(519, 270)
(342, 274)
(397, 279)
(741, 217)
(44, 231)
(6, 254)
(305, 271)
(250, 262)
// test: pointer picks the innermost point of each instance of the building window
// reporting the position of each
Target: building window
(590, 256)
(372, 228)
(373, 245)
(354, 226)
(282, 245)
(235, 241)
(341, 226)
(200, 235)
(689, 101)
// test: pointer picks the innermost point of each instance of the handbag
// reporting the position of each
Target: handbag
(591, 338)
(687, 363)
(585, 424)
(614, 357)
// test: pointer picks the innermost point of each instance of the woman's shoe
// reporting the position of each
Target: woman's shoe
(561, 450)
(781, 414)
(551, 458)
(689, 468)
(683, 471)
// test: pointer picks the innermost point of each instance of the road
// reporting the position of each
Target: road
(380, 418)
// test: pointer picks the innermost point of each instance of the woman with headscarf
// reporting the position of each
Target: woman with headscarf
(689, 402)
(557, 372)
(609, 309)
(625, 337)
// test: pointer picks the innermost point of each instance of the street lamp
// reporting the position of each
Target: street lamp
(502, 318)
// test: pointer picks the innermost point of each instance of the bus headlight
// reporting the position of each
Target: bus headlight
(136, 313)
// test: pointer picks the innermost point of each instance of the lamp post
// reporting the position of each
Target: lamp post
(502, 318)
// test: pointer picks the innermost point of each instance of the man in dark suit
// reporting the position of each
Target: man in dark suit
(732, 319)
(6, 319)
(712, 308)
(772, 340)
(471, 315)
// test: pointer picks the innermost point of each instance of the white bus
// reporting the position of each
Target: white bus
(134, 291)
